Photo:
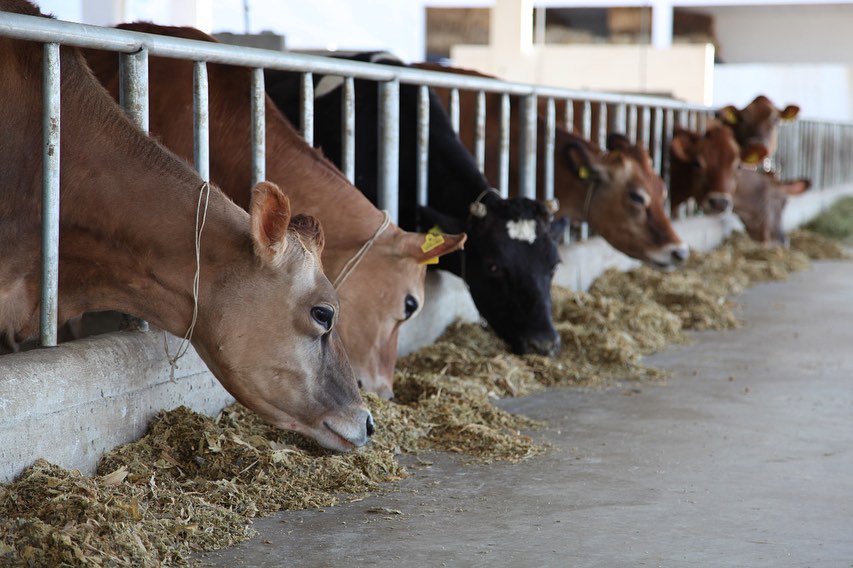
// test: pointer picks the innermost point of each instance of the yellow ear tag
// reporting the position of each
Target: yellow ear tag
(751, 158)
(729, 117)
(583, 172)
(433, 239)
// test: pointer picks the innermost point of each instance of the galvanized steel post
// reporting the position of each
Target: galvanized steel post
(306, 106)
(423, 145)
(133, 86)
(389, 147)
(632, 123)
(348, 130)
(201, 120)
(602, 124)
(259, 129)
(646, 118)
(454, 110)
(503, 158)
(527, 158)
(50, 195)
(586, 131)
(570, 115)
(550, 141)
(480, 132)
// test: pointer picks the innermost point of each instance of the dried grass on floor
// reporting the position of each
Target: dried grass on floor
(194, 482)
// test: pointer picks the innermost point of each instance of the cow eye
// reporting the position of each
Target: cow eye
(494, 270)
(637, 198)
(323, 315)
(411, 306)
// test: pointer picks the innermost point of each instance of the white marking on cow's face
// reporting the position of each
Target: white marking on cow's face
(327, 84)
(384, 57)
(523, 230)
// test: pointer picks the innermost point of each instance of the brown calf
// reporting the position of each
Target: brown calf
(385, 288)
(266, 313)
(705, 166)
(760, 201)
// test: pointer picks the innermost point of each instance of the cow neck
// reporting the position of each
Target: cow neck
(139, 259)
(315, 187)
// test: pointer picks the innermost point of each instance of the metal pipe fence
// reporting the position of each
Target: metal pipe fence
(810, 149)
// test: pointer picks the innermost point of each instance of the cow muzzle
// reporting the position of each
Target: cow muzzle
(717, 202)
(547, 345)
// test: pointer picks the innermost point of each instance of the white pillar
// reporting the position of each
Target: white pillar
(195, 13)
(662, 24)
(511, 26)
(103, 12)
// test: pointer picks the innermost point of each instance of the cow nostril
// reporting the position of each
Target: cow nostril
(371, 428)
(360, 384)
(680, 254)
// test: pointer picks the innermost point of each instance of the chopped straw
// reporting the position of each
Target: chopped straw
(195, 483)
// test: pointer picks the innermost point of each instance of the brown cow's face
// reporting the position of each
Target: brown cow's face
(627, 206)
(715, 157)
(757, 123)
(385, 290)
(760, 202)
(272, 339)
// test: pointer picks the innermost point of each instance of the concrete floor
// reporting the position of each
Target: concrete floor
(743, 458)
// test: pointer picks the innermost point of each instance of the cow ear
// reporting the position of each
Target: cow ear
(427, 247)
(557, 229)
(729, 115)
(796, 187)
(683, 146)
(430, 217)
(790, 112)
(578, 157)
(753, 153)
(270, 217)
(617, 142)
(309, 231)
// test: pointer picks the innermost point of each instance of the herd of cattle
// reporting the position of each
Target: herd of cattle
(302, 283)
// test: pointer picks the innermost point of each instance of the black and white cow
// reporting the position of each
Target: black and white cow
(511, 252)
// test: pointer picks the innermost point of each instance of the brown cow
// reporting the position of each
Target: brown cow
(266, 313)
(758, 122)
(617, 193)
(760, 201)
(705, 166)
(385, 288)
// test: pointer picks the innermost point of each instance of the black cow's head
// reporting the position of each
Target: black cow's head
(509, 263)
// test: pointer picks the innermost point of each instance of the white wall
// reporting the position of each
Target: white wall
(823, 92)
(812, 33)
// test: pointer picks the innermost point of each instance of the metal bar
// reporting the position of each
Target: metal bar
(657, 142)
(201, 120)
(133, 86)
(646, 118)
(550, 141)
(49, 309)
(570, 115)
(454, 110)
(480, 132)
(503, 158)
(620, 120)
(603, 126)
(348, 130)
(632, 123)
(527, 158)
(587, 120)
(306, 107)
(423, 146)
(259, 128)
(389, 148)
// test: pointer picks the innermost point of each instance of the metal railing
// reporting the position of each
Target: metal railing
(807, 148)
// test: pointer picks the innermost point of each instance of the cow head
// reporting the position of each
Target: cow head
(714, 159)
(760, 202)
(508, 265)
(384, 291)
(757, 123)
(624, 201)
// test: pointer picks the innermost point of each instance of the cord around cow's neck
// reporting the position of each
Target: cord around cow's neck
(200, 218)
(353, 262)
(587, 202)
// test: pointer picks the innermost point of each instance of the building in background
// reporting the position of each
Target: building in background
(711, 51)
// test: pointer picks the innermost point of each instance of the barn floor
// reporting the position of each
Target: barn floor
(743, 458)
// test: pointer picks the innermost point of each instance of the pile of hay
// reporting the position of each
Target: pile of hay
(195, 482)
(836, 222)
